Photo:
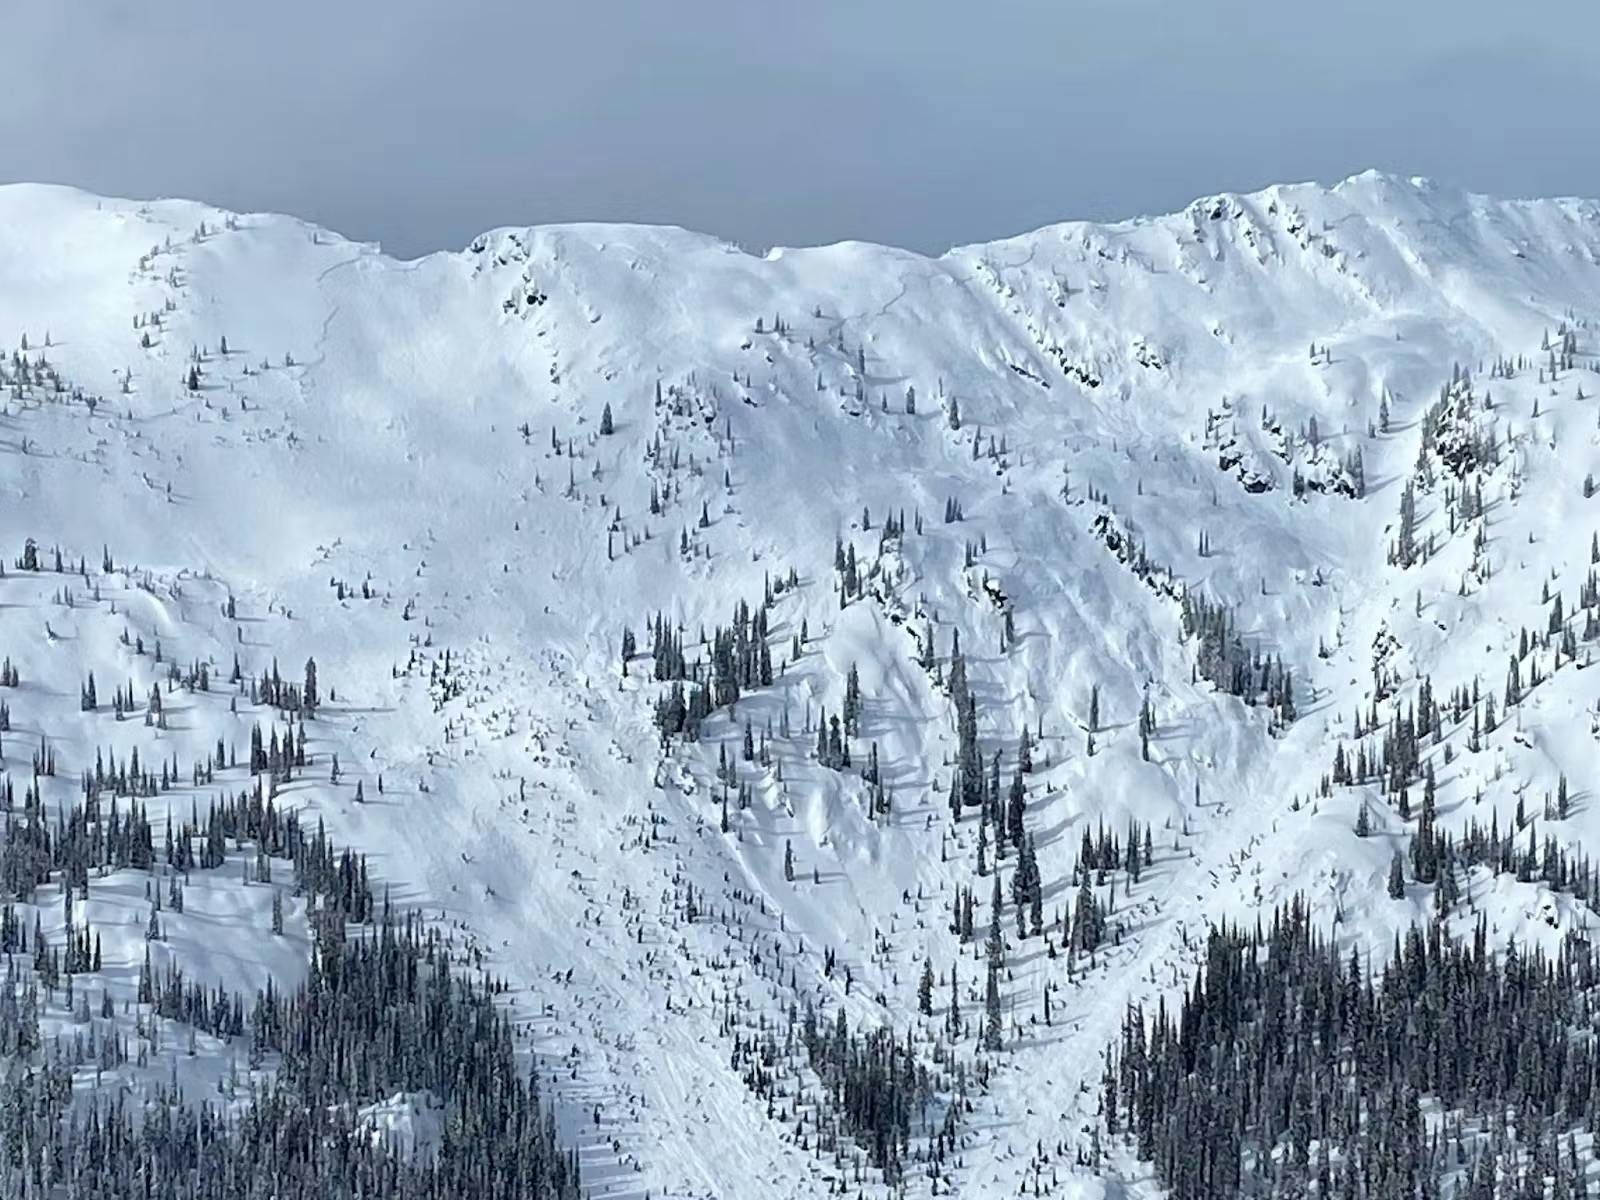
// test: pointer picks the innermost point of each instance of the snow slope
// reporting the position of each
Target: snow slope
(431, 430)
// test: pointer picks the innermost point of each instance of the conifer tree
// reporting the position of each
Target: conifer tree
(309, 699)
(991, 1008)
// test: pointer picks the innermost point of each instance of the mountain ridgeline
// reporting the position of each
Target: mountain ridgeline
(608, 713)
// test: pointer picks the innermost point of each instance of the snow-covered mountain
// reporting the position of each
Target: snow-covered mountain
(1190, 505)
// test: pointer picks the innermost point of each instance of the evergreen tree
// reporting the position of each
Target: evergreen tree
(991, 1008)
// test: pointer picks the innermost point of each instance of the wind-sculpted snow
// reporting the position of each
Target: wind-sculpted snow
(1185, 504)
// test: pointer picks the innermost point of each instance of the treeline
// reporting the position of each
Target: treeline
(382, 1013)
(865, 1097)
(97, 836)
(1288, 1069)
(874, 1089)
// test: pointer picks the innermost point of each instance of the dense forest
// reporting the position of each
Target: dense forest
(385, 1010)
(1290, 1069)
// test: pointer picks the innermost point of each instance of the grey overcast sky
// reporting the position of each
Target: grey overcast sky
(419, 123)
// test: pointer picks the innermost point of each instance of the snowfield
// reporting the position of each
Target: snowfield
(456, 482)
